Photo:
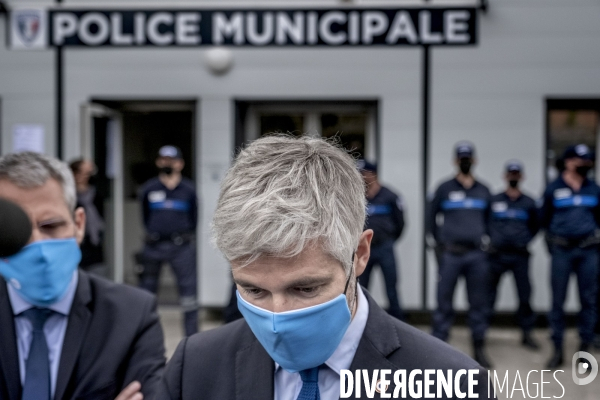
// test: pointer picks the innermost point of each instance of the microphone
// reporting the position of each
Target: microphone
(15, 228)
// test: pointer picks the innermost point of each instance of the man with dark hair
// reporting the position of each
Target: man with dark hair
(464, 203)
(570, 215)
(385, 216)
(92, 249)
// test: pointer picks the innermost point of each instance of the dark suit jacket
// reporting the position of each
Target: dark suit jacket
(229, 362)
(113, 337)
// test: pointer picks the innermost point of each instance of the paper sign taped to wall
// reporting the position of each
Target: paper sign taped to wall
(28, 137)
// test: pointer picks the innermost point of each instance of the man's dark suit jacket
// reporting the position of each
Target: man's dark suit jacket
(113, 337)
(229, 362)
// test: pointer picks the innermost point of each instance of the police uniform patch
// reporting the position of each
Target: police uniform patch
(157, 196)
(499, 206)
(562, 193)
(457, 195)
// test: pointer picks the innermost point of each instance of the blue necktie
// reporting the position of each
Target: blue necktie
(310, 384)
(37, 366)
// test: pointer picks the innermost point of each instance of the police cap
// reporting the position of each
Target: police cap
(514, 166)
(464, 149)
(170, 151)
(364, 165)
(578, 151)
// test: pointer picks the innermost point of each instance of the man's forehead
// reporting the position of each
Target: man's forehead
(49, 195)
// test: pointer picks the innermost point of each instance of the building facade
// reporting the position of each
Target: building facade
(525, 89)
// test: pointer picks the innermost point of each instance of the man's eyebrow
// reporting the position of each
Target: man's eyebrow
(244, 283)
(52, 221)
(305, 281)
(310, 281)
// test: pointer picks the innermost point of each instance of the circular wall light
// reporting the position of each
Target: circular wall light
(219, 60)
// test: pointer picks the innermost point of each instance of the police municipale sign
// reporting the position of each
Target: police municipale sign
(260, 27)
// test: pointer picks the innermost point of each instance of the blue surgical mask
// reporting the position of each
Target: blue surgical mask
(41, 271)
(299, 339)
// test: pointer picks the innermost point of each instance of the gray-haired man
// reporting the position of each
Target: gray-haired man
(65, 334)
(290, 220)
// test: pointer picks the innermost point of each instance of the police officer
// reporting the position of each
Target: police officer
(170, 215)
(513, 223)
(570, 215)
(385, 216)
(464, 204)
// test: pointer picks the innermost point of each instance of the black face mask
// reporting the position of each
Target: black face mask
(465, 165)
(513, 183)
(165, 170)
(583, 170)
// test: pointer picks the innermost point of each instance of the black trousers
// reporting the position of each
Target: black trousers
(518, 264)
(182, 259)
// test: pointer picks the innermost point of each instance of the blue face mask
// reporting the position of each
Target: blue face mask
(299, 339)
(42, 271)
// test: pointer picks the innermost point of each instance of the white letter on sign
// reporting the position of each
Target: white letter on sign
(455, 26)
(187, 28)
(402, 27)
(374, 23)
(65, 25)
(286, 28)
(116, 33)
(223, 27)
(425, 29)
(152, 30)
(252, 34)
(86, 22)
(329, 18)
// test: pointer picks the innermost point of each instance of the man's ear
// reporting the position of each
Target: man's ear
(363, 252)
(79, 220)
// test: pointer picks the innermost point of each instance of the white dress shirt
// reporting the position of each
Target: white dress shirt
(288, 385)
(54, 328)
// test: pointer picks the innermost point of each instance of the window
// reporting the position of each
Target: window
(352, 122)
(569, 122)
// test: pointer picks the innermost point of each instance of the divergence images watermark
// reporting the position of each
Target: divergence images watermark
(463, 383)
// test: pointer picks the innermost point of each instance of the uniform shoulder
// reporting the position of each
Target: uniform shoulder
(188, 183)
(446, 185)
(388, 193)
(528, 199)
(498, 197)
(483, 185)
(150, 184)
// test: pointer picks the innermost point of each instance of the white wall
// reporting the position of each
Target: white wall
(26, 91)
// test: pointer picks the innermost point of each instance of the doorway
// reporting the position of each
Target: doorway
(123, 139)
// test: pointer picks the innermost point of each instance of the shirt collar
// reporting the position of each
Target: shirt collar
(344, 354)
(62, 306)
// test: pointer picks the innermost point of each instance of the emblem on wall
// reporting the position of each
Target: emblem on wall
(28, 29)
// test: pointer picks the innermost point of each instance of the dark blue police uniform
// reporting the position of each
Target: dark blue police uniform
(571, 221)
(385, 217)
(170, 218)
(465, 213)
(513, 224)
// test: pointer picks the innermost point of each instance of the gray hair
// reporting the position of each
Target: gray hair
(284, 194)
(30, 170)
